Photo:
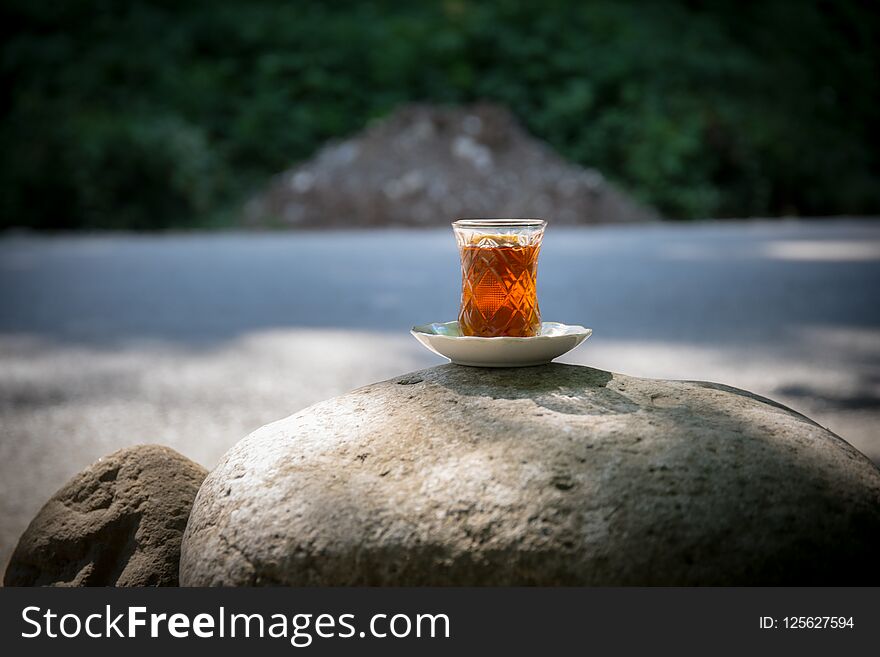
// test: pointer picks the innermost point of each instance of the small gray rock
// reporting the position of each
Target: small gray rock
(119, 522)
(553, 475)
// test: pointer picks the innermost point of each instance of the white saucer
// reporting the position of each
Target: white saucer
(554, 340)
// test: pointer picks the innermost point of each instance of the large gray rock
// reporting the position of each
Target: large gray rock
(119, 522)
(549, 475)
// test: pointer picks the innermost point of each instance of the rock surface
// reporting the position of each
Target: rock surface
(555, 475)
(119, 522)
(425, 166)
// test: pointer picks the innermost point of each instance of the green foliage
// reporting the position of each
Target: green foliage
(154, 114)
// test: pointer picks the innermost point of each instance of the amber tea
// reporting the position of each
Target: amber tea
(499, 269)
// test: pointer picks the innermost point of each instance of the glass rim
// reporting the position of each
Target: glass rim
(498, 222)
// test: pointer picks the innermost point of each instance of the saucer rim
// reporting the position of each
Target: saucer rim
(420, 329)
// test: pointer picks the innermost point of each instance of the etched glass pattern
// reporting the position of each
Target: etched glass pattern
(499, 269)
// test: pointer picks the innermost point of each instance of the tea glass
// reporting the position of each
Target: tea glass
(499, 271)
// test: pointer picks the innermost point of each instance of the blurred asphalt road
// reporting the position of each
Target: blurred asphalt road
(195, 340)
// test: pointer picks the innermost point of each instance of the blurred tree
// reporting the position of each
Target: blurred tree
(150, 114)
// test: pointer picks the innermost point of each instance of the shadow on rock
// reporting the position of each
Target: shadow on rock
(568, 389)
